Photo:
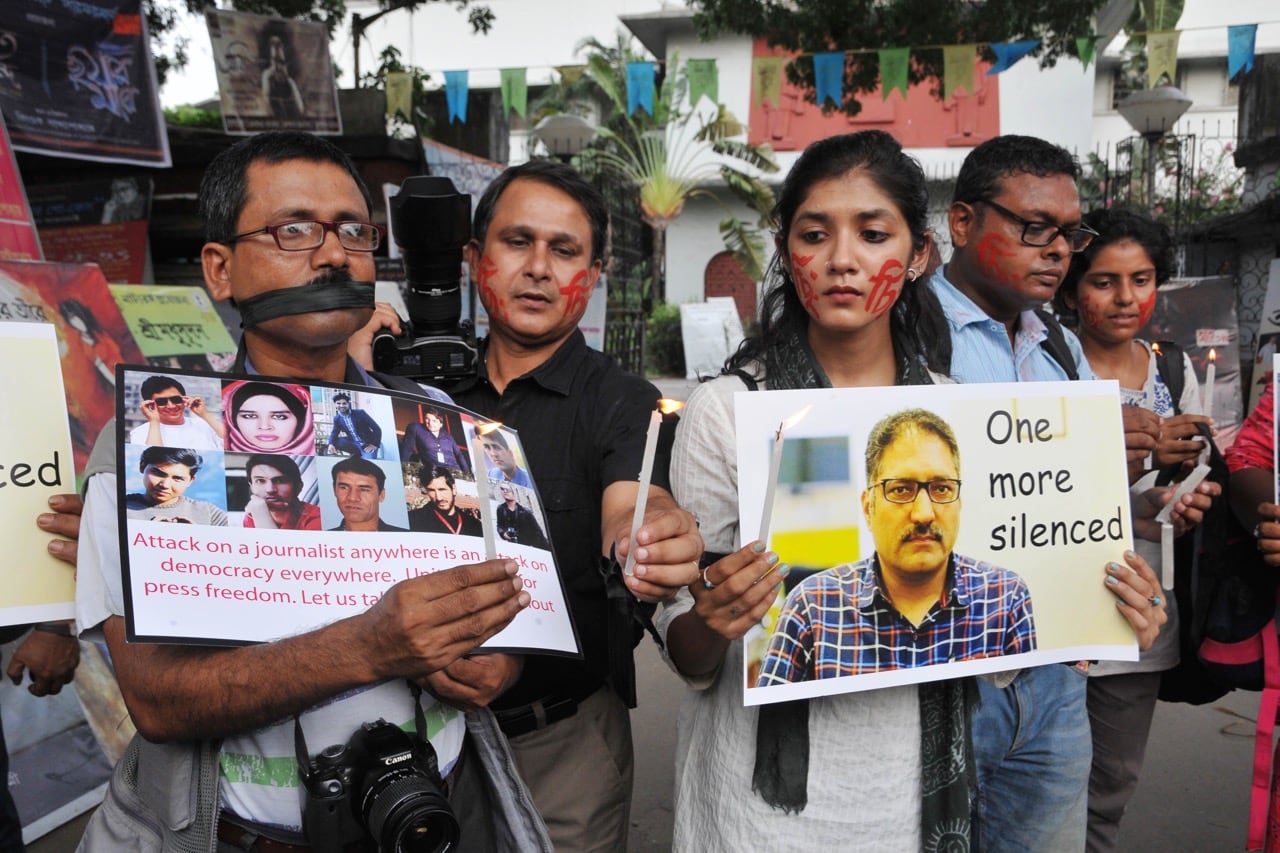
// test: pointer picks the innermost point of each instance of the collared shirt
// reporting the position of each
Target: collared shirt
(839, 622)
(980, 347)
(582, 422)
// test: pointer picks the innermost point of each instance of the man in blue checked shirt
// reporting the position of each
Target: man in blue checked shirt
(914, 602)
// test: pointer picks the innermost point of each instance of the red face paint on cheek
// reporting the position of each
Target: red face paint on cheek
(1090, 309)
(886, 285)
(493, 303)
(1147, 308)
(576, 294)
(994, 252)
(804, 282)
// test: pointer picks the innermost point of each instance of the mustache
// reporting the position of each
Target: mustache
(925, 531)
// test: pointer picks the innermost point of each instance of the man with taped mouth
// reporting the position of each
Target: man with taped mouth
(214, 766)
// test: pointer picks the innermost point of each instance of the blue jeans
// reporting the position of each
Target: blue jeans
(1032, 752)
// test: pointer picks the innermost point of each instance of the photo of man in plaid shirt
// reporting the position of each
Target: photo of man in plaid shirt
(914, 602)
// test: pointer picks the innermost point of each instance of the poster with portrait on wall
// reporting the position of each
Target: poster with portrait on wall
(96, 222)
(253, 509)
(932, 535)
(77, 80)
(273, 74)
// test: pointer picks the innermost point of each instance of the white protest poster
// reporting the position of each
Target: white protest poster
(711, 331)
(977, 543)
(36, 465)
(255, 509)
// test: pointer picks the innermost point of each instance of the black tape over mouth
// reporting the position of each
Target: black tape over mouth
(327, 293)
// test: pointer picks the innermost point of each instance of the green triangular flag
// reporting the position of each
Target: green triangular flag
(957, 69)
(399, 94)
(1085, 46)
(515, 91)
(766, 72)
(893, 71)
(704, 79)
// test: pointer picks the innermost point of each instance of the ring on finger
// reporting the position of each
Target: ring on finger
(1155, 600)
(706, 581)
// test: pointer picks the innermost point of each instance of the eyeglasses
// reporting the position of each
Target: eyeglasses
(169, 401)
(941, 491)
(304, 235)
(1043, 233)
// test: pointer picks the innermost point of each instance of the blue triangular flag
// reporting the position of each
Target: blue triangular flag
(640, 86)
(1009, 52)
(455, 95)
(1240, 43)
(828, 76)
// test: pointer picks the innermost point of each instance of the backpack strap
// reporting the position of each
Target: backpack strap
(1172, 368)
(1056, 344)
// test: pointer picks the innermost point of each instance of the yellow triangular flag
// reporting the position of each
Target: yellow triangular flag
(399, 94)
(766, 72)
(570, 74)
(1162, 57)
(957, 69)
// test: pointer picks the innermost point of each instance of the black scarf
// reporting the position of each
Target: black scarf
(782, 728)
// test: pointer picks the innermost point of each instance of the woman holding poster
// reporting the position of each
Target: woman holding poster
(841, 309)
(1112, 285)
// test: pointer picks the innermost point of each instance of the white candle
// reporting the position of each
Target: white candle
(1210, 377)
(642, 497)
(488, 525)
(775, 464)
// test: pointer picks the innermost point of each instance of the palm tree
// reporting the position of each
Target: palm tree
(668, 158)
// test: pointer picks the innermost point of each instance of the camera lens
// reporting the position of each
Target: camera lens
(408, 814)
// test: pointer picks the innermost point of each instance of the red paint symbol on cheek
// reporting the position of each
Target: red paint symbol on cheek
(994, 250)
(489, 297)
(808, 297)
(886, 285)
(576, 294)
(801, 260)
(1147, 308)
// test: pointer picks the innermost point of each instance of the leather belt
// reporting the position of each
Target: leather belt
(541, 713)
(243, 838)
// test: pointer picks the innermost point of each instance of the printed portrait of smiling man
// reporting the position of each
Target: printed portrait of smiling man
(914, 602)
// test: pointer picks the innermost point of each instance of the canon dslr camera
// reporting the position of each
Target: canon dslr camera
(383, 784)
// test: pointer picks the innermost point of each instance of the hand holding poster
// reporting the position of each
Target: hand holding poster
(253, 510)
(927, 540)
(37, 465)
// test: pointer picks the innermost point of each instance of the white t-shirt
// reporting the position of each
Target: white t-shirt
(192, 433)
(259, 779)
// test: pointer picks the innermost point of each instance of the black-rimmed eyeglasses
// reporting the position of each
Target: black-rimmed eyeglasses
(1039, 234)
(943, 490)
(304, 235)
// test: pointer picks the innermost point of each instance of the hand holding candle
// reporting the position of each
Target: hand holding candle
(1210, 378)
(665, 407)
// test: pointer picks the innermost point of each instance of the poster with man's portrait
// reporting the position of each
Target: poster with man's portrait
(273, 74)
(958, 531)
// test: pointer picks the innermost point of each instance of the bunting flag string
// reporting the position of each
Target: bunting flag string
(1009, 52)
(640, 77)
(894, 62)
(704, 79)
(766, 80)
(957, 68)
(515, 91)
(570, 74)
(1240, 46)
(828, 75)
(399, 94)
(1162, 57)
(455, 95)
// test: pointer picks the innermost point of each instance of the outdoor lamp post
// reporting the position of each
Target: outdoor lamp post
(1152, 113)
(564, 135)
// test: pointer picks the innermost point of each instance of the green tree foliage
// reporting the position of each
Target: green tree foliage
(170, 49)
(817, 26)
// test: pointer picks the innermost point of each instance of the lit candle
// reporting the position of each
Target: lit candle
(1210, 376)
(775, 463)
(665, 407)
(487, 524)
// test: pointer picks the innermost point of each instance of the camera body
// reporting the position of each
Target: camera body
(431, 222)
(383, 784)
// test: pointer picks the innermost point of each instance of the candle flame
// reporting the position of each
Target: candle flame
(1155, 347)
(794, 419)
(668, 406)
(1213, 354)
(483, 429)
